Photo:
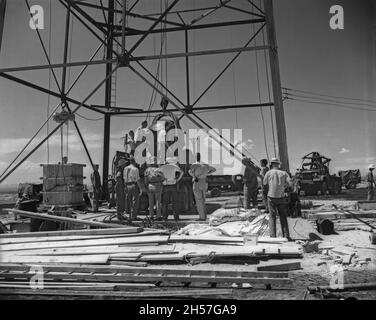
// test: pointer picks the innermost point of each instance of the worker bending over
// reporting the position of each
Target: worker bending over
(199, 172)
(370, 182)
(132, 189)
(277, 181)
(154, 178)
(250, 181)
(172, 174)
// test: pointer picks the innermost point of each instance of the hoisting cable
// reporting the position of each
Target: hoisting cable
(49, 84)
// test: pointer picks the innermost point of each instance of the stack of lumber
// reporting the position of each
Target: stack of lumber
(96, 280)
(130, 246)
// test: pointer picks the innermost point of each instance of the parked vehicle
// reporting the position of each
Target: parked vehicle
(314, 178)
(224, 183)
(350, 178)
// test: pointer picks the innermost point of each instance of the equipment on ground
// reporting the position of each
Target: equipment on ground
(350, 178)
(314, 178)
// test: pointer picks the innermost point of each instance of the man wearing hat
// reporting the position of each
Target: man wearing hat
(154, 178)
(172, 174)
(277, 181)
(199, 172)
(371, 182)
(250, 181)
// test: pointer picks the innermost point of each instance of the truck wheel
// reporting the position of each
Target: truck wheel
(215, 193)
(352, 185)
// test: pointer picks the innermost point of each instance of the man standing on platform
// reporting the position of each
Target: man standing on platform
(132, 189)
(97, 188)
(199, 172)
(277, 181)
(251, 185)
(173, 175)
(263, 171)
(154, 178)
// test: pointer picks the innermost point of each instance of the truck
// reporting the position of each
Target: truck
(314, 178)
(350, 178)
(224, 183)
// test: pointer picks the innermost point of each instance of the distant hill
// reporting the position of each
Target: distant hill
(8, 188)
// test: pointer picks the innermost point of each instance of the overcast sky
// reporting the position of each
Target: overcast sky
(313, 58)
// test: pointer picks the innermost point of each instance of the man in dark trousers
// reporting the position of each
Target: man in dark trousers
(263, 171)
(370, 182)
(277, 181)
(132, 189)
(97, 188)
(250, 183)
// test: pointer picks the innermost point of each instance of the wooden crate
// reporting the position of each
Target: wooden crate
(63, 184)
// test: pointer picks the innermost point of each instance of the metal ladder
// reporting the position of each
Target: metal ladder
(117, 20)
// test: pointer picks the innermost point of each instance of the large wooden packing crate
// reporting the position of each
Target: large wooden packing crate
(63, 184)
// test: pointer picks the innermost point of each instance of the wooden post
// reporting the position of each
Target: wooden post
(276, 83)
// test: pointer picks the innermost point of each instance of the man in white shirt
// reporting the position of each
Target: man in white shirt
(173, 175)
(277, 181)
(199, 172)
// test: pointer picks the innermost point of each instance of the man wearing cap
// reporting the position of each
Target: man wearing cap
(277, 180)
(132, 189)
(154, 178)
(371, 182)
(250, 183)
(172, 174)
(199, 172)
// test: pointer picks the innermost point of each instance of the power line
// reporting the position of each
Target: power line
(328, 104)
(331, 96)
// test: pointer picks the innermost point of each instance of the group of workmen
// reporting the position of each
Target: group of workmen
(161, 184)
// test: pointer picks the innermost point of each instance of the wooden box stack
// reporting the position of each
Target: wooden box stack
(63, 184)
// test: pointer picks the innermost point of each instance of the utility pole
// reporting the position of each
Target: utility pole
(276, 83)
(107, 117)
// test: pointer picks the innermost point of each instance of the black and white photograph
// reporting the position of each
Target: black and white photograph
(184, 156)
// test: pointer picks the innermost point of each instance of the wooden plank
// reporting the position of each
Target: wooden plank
(84, 243)
(63, 219)
(84, 232)
(165, 277)
(286, 266)
(123, 294)
(148, 270)
(271, 240)
(111, 249)
(335, 215)
(117, 285)
(73, 237)
(127, 263)
(86, 259)
(206, 239)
